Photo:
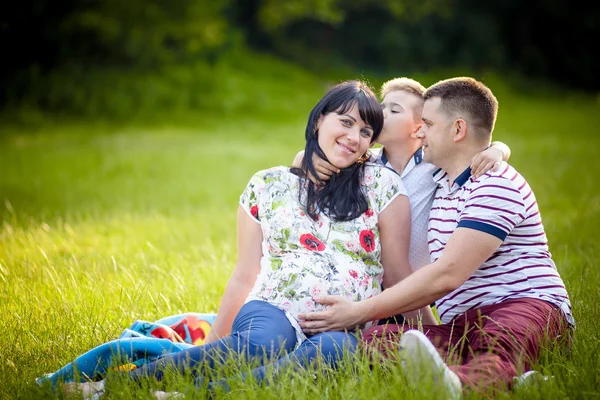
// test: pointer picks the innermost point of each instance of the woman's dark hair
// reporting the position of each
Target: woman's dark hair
(341, 197)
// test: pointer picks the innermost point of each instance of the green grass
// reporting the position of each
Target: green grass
(105, 224)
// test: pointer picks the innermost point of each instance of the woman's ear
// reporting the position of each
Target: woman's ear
(318, 124)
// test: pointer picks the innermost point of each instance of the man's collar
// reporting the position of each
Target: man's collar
(463, 177)
(441, 178)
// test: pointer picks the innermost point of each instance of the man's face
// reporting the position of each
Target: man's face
(399, 119)
(435, 132)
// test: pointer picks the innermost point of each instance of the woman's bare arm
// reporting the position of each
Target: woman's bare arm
(243, 278)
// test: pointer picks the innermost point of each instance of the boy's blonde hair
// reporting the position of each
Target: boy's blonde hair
(409, 86)
(404, 84)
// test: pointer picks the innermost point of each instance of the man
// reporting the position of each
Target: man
(492, 277)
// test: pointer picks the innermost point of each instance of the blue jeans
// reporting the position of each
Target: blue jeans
(262, 333)
(330, 346)
(97, 361)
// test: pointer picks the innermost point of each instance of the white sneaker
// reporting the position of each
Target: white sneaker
(421, 359)
(160, 395)
(88, 390)
(529, 379)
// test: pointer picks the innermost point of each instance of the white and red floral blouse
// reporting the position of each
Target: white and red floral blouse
(305, 257)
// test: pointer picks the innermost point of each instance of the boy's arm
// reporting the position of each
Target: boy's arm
(490, 158)
(394, 232)
(503, 147)
(324, 169)
(297, 163)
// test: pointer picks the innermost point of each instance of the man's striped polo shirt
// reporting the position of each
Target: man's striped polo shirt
(501, 204)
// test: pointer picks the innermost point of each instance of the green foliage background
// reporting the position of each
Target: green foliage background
(106, 59)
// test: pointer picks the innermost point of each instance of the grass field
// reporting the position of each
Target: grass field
(103, 225)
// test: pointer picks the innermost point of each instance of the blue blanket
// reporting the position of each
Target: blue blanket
(141, 343)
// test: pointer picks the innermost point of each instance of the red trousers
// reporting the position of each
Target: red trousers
(488, 346)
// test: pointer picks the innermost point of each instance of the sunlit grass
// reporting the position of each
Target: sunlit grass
(105, 225)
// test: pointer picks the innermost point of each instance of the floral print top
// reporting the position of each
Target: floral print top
(305, 257)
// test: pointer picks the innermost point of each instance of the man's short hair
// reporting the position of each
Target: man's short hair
(469, 99)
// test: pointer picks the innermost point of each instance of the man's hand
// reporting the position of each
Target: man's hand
(488, 159)
(342, 314)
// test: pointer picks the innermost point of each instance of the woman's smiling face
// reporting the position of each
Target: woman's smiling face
(344, 138)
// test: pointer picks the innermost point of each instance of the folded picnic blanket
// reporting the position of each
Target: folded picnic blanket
(141, 343)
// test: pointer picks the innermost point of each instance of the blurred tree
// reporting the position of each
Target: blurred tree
(537, 38)
(274, 14)
(80, 36)
(550, 39)
(73, 40)
(317, 32)
(143, 32)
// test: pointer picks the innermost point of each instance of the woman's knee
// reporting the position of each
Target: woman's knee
(262, 326)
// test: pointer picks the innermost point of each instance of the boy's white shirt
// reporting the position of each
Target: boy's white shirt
(417, 177)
